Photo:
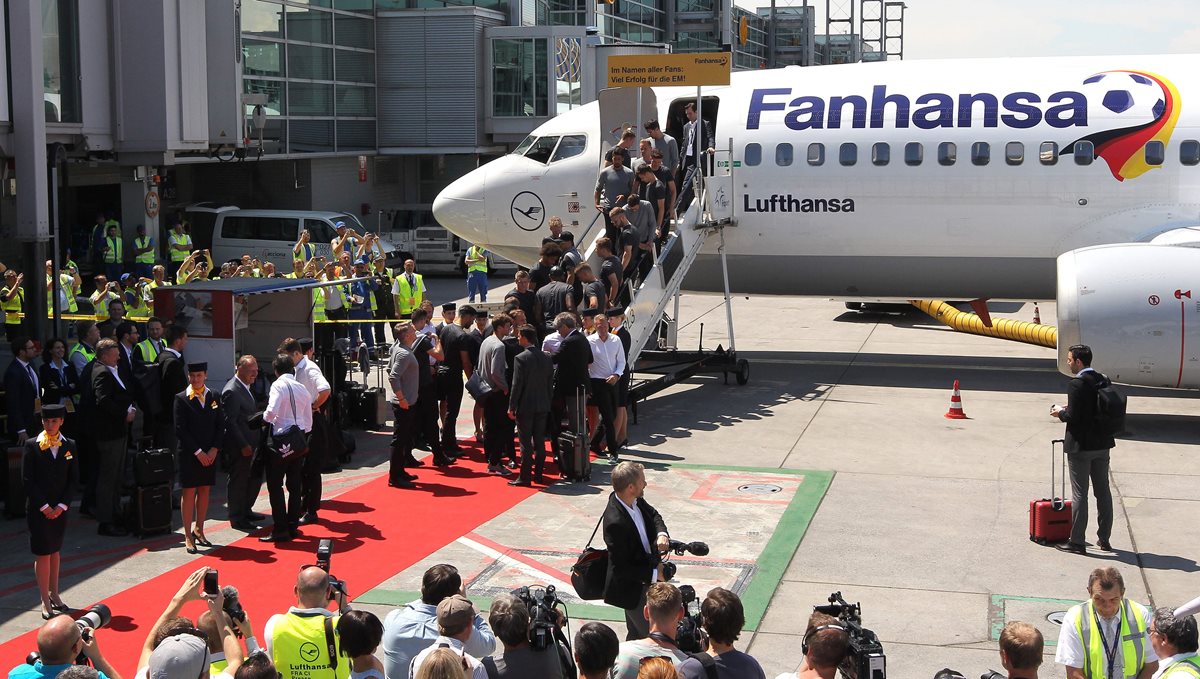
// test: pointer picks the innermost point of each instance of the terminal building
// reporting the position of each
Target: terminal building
(134, 109)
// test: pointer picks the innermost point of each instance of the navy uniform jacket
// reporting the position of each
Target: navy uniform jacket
(199, 426)
(50, 480)
(19, 395)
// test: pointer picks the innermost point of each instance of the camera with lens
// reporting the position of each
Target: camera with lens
(689, 636)
(864, 654)
(992, 674)
(693, 548)
(324, 556)
(544, 630)
(99, 615)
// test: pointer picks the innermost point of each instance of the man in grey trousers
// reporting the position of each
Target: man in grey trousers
(405, 384)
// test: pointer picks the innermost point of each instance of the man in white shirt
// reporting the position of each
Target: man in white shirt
(1099, 634)
(1175, 642)
(608, 364)
(455, 617)
(636, 537)
(289, 405)
(309, 374)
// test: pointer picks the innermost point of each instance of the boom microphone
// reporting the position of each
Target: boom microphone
(694, 548)
(233, 606)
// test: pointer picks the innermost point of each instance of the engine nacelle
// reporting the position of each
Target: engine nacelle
(1137, 305)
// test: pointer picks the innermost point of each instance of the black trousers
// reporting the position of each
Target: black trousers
(427, 417)
(340, 330)
(402, 445)
(497, 428)
(450, 391)
(604, 397)
(531, 430)
(237, 489)
(636, 624)
(314, 462)
(281, 473)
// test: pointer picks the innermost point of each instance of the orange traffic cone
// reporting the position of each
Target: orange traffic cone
(1037, 314)
(956, 409)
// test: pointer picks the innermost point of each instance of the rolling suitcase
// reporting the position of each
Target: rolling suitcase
(355, 397)
(1050, 518)
(375, 407)
(152, 510)
(575, 461)
(153, 467)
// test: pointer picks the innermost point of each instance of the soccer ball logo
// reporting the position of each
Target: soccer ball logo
(1127, 110)
(1130, 98)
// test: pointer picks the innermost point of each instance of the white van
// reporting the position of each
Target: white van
(269, 235)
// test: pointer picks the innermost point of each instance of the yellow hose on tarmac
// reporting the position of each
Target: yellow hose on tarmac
(962, 321)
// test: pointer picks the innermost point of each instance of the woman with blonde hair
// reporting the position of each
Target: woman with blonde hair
(443, 663)
(657, 667)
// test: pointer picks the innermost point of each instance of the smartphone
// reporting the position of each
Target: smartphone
(211, 586)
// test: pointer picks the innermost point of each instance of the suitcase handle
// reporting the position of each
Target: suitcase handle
(1059, 501)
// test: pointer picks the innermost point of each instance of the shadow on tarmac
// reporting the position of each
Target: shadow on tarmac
(1155, 428)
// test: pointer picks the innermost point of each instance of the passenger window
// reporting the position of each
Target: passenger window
(1189, 152)
(914, 153)
(1156, 153)
(947, 153)
(783, 155)
(753, 154)
(881, 154)
(320, 230)
(981, 153)
(1048, 153)
(1085, 153)
(541, 149)
(570, 146)
(816, 154)
(261, 228)
(848, 154)
(1014, 153)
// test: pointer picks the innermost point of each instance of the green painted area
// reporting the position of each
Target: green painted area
(997, 615)
(771, 563)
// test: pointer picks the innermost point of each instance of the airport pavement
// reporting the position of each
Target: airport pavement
(925, 519)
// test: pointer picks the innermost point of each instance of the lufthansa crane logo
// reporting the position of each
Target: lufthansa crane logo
(527, 211)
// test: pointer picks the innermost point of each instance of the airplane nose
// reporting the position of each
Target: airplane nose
(460, 207)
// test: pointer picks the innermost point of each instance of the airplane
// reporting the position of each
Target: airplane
(1027, 178)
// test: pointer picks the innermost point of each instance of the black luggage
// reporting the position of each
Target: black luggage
(152, 510)
(355, 397)
(575, 460)
(153, 467)
(375, 406)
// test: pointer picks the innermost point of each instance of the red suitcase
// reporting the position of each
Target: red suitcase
(1050, 518)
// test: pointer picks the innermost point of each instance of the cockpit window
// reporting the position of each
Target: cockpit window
(542, 149)
(570, 146)
(525, 144)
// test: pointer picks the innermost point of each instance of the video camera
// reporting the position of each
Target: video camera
(689, 636)
(94, 618)
(864, 654)
(324, 556)
(693, 548)
(544, 630)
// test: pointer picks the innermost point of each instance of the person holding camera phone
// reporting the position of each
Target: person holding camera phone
(59, 642)
(176, 651)
(300, 639)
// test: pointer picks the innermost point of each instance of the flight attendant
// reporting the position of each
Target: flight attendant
(199, 428)
(50, 473)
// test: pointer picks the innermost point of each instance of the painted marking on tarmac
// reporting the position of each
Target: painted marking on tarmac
(997, 614)
(897, 364)
(516, 560)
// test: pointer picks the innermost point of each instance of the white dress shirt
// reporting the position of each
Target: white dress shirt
(608, 357)
(280, 412)
(310, 376)
(551, 343)
(639, 521)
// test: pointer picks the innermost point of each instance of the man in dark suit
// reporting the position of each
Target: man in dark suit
(572, 359)
(114, 411)
(696, 155)
(636, 536)
(1087, 444)
(241, 441)
(529, 403)
(172, 380)
(22, 391)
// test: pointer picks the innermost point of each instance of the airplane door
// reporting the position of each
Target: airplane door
(622, 108)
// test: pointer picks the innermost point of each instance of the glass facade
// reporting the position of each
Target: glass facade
(635, 21)
(519, 77)
(315, 62)
(60, 54)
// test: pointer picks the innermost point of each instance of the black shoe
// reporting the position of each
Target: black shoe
(413, 462)
(1105, 545)
(255, 516)
(111, 530)
(308, 518)
(1071, 547)
(442, 460)
(276, 537)
(332, 470)
(401, 483)
(612, 457)
(296, 533)
(538, 478)
(245, 525)
(519, 482)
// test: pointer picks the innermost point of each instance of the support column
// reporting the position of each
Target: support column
(134, 211)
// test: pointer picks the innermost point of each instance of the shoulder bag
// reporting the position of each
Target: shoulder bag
(478, 387)
(590, 569)
(291, 443)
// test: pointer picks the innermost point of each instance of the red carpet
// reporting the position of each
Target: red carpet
(377, 532)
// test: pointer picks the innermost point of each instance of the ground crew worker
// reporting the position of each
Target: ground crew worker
(408, 289)
(12, 301)
(290, 637)
(180, 246)
(84, 351)
(99, 229)
(1175, 642)
(102, 296)
(113, 253)
(385, 304)
(336, 304)
(303, 250)
(1107, 636)
(147, 350)
(476, 261)
(160, 278)
(68, 283)
(143, 253)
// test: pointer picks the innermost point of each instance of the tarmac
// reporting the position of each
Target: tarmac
(921, 519)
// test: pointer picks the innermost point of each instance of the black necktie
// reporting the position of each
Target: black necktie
(32, 377)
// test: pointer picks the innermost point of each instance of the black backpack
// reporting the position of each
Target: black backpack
(1110, 406)
(709, 664)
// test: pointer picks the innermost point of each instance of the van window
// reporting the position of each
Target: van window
(1014, 153)
(783, 155)
(848, 154)
(753, 154)
(570, 146)
(541, 149)
(1048, 153)
(816, 154)
(261, 228)
(1189, 152)
(1085, 153)
(947, 153)
(1156, 153)
(321, 232)
(981, 153)
(881, 153)
(914, 153)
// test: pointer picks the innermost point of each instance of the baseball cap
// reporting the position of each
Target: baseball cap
(363, 260)
(454, 612)
(339, 224)
(183, 656)
(125, 277)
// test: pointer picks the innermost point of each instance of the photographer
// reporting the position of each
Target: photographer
(1021, 647)
(211, 625)
(630, 526)
(825, 645)
(412, 628)
(722, 617)
(151, 659)
(509, 617)
(59, 642)
(664, 610)
(309, 623)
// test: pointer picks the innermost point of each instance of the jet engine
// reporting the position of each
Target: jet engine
(1137, 305)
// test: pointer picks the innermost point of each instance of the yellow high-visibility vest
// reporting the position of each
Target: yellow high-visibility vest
(113, 254)
(146, 257)
(292, 632)
(13, 307)
(1132, 631)
(410, 296)
(179, 239)
(476, 252)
